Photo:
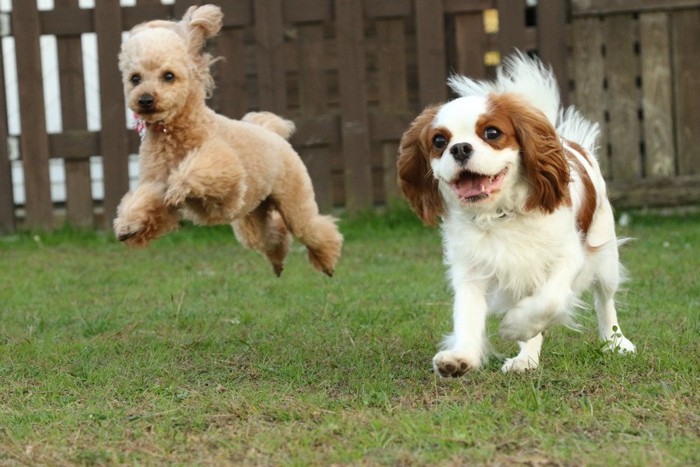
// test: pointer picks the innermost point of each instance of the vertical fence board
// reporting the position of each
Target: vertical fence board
(656, 94)
(511, 26)
(622, 70)
(113, 142)
(470, 45)
(352, 79)
(393, 93)
(589, 71)
(430, 47)
(34, 144)
(233, 98)
(551, 34)
(312, 103)
(74, 117)
(269, 55)
(7, 204)
(686, 61)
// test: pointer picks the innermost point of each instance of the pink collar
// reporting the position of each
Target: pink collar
(140, 125)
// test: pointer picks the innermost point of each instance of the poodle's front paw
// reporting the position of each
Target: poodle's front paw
(128, 232)
(175, 196)
(453, 363)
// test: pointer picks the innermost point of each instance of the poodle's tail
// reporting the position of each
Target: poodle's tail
(283, 127)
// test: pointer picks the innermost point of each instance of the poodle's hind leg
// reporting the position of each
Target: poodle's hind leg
(142, 215)
(264, 230)
(297, 205)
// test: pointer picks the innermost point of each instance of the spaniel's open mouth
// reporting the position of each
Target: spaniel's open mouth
(474, 187)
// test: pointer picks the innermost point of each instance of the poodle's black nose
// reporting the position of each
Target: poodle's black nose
(146, 101)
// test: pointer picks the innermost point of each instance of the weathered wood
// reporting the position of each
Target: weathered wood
(551, 34)
(686, 64)
(352, 80)
(312, 101)
(7, 205)
(113, 142)
(430, 49)
(511, 30)
(589, 73)
(232, 89)
(269, 57)
(74, 116)
(34, 150)
(606, 7)
(655, 192)
(470, 45)
(657, 98)
(393, 95)
(621, 73)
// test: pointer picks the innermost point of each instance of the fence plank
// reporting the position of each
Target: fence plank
(430, 48)
(589, 72)
(313, 96)
(74, 117)
(34, 144)
(352, 80)
(606, 7)
(470, 45)
(7, 205)
(231, 87)
(551, 34)
(393, 94)
(686, 63)
(113, 143)
(622, 71)
(656, 94)
(511, 26)
(269, 55)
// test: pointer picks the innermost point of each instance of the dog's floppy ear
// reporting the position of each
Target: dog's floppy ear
(542, 154)
(201, 23)
(414, 173)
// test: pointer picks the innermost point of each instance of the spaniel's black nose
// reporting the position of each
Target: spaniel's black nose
(461, 151)
(146, 101)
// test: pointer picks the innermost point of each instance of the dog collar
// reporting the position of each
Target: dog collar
(140, 125)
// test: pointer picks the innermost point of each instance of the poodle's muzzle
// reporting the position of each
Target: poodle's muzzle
(147, 102)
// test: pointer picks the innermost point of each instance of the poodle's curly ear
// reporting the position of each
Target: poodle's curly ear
(542, 154)
(201, 23)
(414, 173)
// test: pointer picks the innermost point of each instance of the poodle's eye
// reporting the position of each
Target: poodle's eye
(135, 79)
(492, 133)
(439, 142)
(169, 76)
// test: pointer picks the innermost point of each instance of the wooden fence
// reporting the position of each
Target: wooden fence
(352, 74)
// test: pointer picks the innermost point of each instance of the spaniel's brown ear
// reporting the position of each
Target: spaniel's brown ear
(542, 153)
(414, 173)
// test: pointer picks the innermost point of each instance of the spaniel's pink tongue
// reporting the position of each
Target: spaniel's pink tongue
(471, 185)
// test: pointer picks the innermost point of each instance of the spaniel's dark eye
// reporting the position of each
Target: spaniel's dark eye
(492, 133)
(439, 142)
(135, 79)
(168, 76)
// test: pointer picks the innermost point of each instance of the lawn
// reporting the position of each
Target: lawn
(192, 352)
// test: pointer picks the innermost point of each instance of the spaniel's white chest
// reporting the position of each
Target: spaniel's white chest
(514, 255)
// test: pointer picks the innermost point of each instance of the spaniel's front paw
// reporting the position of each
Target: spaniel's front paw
(453, 363)
(620, 344)
(520, 364)
(129, 232)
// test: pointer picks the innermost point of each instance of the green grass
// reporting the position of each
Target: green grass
(192, 352)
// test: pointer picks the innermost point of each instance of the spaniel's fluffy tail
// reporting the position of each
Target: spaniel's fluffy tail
(283, 127)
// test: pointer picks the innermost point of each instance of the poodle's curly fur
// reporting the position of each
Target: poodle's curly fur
(204, 166)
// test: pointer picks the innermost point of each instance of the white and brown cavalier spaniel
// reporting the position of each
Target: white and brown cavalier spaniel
(526, 222)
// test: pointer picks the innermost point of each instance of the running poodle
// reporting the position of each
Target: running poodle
(204, 166)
